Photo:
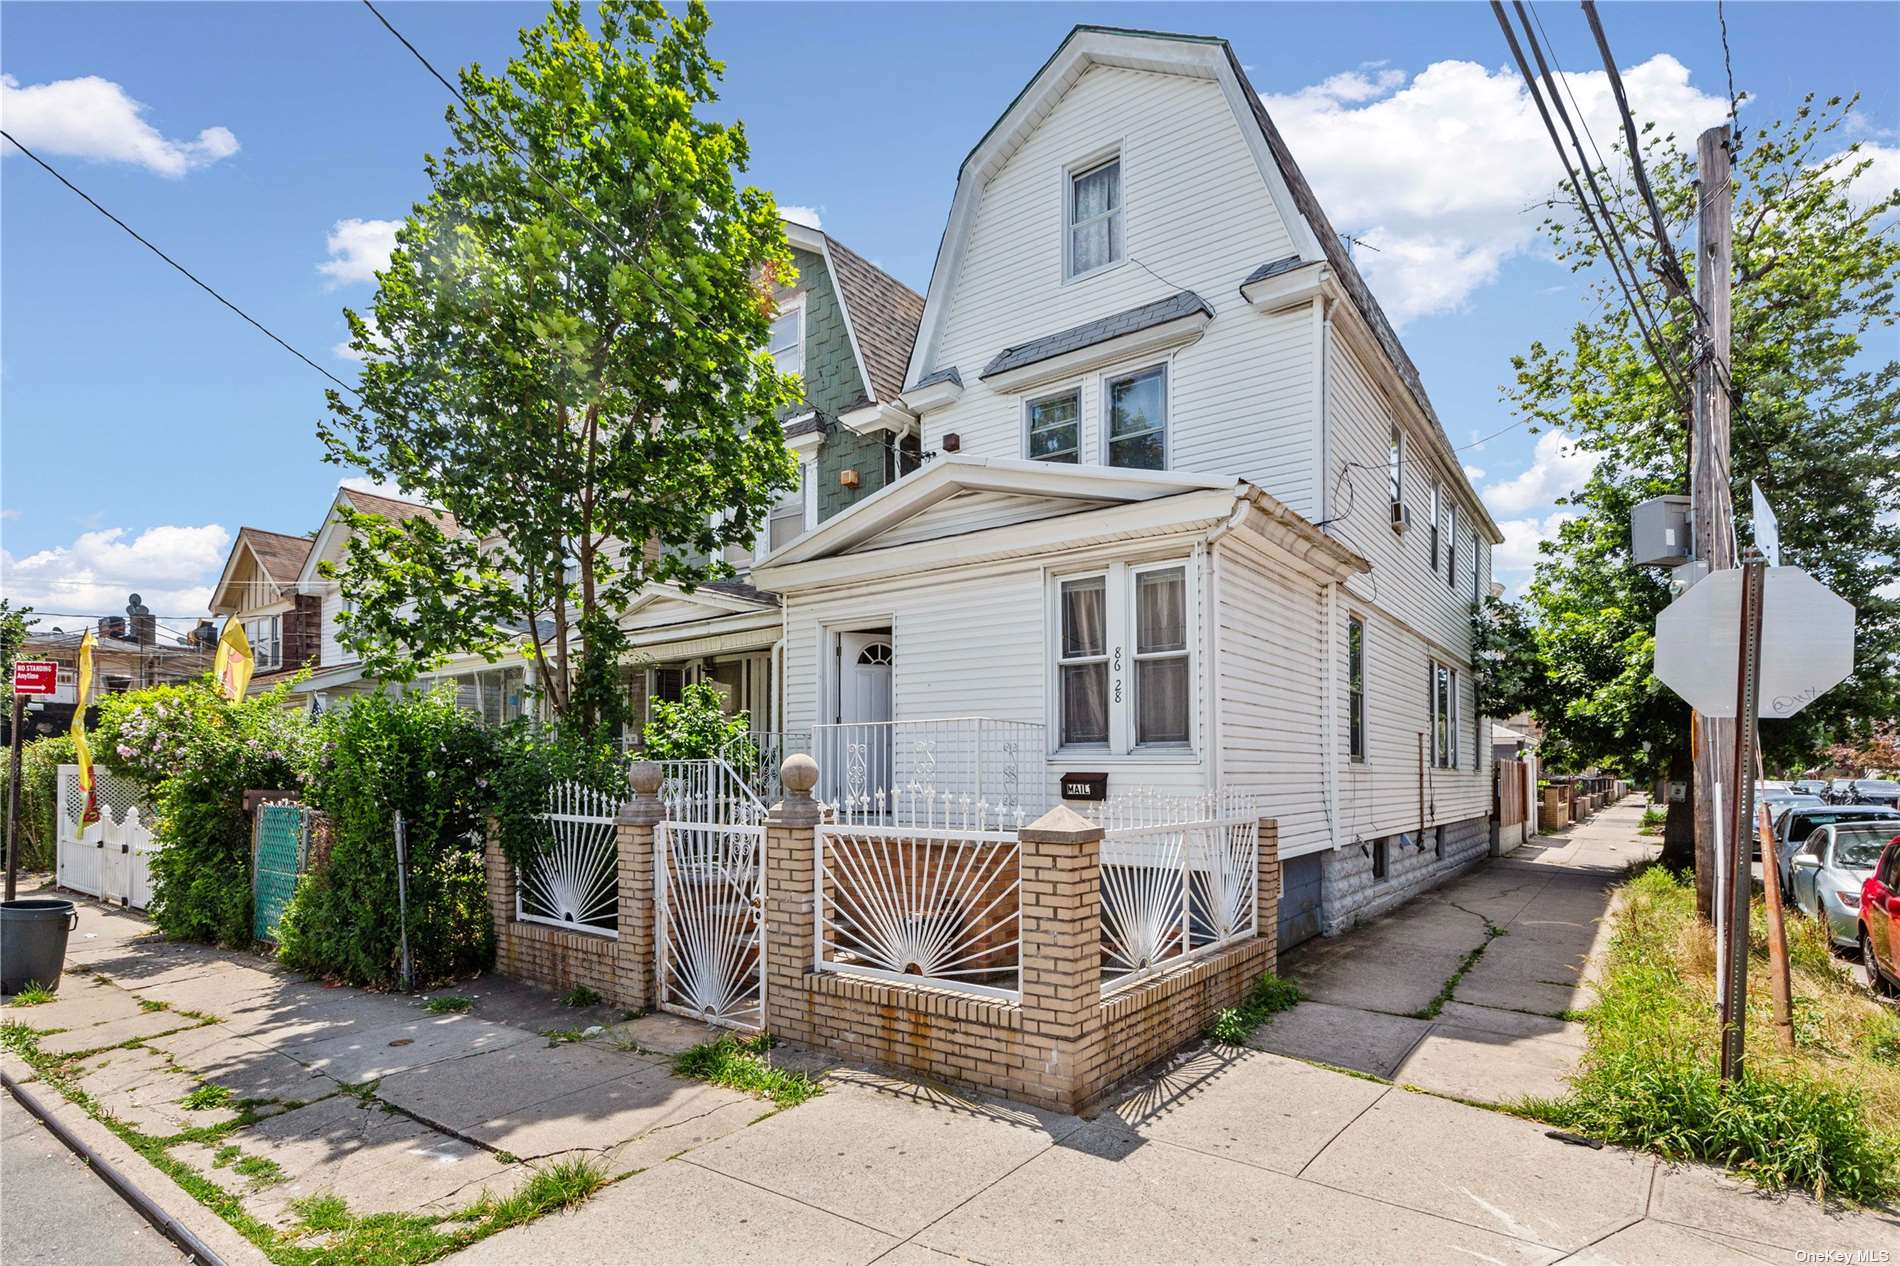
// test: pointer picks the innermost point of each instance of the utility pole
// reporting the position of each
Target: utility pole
(1712, 509)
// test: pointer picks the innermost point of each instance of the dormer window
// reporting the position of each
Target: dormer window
(1095, 217)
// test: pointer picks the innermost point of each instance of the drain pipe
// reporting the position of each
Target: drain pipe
(171, 1228)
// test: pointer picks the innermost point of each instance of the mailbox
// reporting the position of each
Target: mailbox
(1085, 786)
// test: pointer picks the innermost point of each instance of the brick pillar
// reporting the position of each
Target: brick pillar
(1268, 893)
(1061, 939)
(790, 876)
(634, 955)
(501, 895)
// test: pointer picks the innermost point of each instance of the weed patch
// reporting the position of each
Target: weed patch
(1266, 997)
(448, 1004)
(32, 994)
(1445, 991)
(209, 1095)
(581, 996)
(741, 1064)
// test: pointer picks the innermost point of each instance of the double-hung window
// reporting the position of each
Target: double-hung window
(1451, 544)
(1124, 658)
(1095, 217)
(1356, 687)
(787, 340)
(1055, 428)
(1395, 466)
(265, 634)
(786, 522)
(1438, 500)
(1444, 688)
(1138, 419)
(1082, 662)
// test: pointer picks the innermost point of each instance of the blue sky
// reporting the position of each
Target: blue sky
(143, 423)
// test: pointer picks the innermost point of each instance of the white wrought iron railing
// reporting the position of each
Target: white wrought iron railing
(710, 897)
(708, 790)
(574, 882)
(757, 756)
(937, 904)
(868, 769)
(1176, 889)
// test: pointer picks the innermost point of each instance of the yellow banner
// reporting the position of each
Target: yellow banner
(82, 753)
(234, 662)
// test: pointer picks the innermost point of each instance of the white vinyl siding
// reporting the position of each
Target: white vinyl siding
(1196, 211)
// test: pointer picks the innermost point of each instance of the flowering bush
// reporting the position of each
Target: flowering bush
(421, 755)
(195, 753)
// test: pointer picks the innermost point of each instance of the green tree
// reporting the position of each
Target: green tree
(566, 355)
(694, 728)
(14, 623)
(1814, 423)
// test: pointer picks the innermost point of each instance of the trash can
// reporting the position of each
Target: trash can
(33, 933)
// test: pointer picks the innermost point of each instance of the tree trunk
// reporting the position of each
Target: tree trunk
(1678, 852)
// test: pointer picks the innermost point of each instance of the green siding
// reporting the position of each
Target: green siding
(833, 385)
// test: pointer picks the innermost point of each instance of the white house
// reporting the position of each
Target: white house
(1186, 517)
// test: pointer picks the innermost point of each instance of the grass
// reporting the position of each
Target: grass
(1268, 996)
(556, 1037)
(1445, 991)
(448, 1004)
(32, 994)
(741, 1063)
(581, 996)
(1652, 821)
(209, 1095)
(1824, 1119)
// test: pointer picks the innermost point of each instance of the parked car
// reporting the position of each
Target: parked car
(1776, 802)
(1836, 792)
(1810, 786)
(1826, 874)
(1874, 791)
(1797, 823)
(1879, 930)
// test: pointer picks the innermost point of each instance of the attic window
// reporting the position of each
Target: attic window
(787, 342)
(1095, 217)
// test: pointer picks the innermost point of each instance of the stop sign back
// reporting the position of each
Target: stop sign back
(1807, 642)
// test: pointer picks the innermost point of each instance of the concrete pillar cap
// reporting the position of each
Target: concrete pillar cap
(644, 776)
(1061, 825)
(798, 775)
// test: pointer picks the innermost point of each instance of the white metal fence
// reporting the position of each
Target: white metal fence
(1180, 877)
(936, 900)
(574, 881)
(868, 767)
(708, 790)
(710, 929)
(110, 857)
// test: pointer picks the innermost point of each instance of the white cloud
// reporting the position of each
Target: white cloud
(1473, 473)
(171, 568)
(93, 118)
(1880, 179)
(1558, 468)
(807, 216)
(359, 249)
(1513, 561)
(1435, 173)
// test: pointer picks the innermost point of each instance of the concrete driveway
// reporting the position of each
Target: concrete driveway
(1469, 988)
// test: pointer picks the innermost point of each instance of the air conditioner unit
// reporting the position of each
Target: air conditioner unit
(1401, 517)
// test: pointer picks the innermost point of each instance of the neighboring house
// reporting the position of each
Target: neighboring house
(129, 652)
(1187, 517)
(846, 327)
(259, 586)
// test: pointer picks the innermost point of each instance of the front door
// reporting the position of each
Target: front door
(862, 751)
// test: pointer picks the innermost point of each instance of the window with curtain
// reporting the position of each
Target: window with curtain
(1082, 663)
(1161, 658)
(787, 341)
(1356, 687)
(1055, 428)
(1395, 466)
(1138, 420)
(1438, 499)
(1095, 218)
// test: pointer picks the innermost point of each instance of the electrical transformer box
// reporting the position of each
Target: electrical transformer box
(1660, 533)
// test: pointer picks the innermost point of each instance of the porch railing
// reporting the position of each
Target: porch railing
(709, 790)
(873, 769)
(757, 756)
(1179, 878)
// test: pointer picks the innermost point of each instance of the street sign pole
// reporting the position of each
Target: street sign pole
(13, 794)
(1742, 817)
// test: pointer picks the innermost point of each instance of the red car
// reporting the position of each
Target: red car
(1880, 921)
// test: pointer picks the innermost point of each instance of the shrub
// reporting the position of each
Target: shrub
(423, 755)
(695, 728)
(40, 760)
(530, 761)
(1266, 997)
(196, 753)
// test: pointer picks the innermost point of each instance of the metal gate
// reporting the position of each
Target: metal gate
(711, 934)
(283, 846)
(111, 856)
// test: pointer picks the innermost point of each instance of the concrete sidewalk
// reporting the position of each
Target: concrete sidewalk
(1469, 989)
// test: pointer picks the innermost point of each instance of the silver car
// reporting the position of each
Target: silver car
(1829, 870)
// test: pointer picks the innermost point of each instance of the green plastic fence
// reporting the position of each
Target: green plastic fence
(280, 855)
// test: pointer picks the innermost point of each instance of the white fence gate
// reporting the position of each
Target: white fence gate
(111, 857)
(709, 875)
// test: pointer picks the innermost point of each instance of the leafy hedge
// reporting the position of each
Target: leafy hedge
(423, 755)
(196, 754)
(40, 760)
(531, 761)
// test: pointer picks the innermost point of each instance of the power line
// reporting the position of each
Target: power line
(191, 276)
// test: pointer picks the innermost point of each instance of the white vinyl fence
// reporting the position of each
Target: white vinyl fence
(111, 857)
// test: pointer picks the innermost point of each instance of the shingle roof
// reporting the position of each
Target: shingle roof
(742, 589)
(392, 509)
(884, 316)
(941, 375)
(1273, 269)
(282, 556)
(1100, 330)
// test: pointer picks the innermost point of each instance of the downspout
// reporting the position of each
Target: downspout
(1329, 715)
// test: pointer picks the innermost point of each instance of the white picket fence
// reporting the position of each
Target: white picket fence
(110, 858)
